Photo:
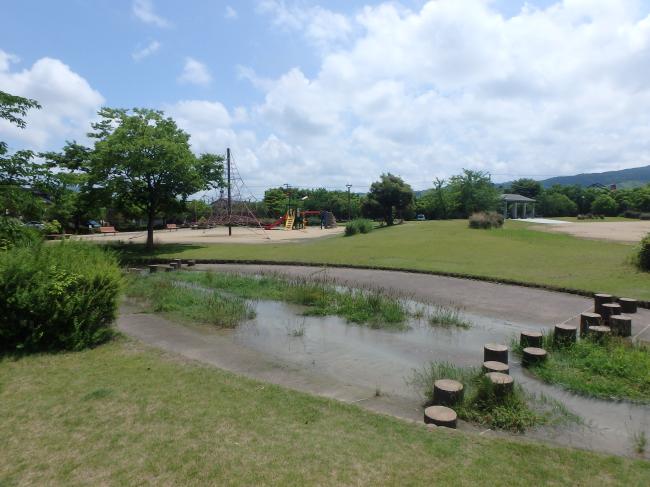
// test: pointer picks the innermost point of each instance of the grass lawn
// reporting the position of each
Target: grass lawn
(124, 415)
(514, 253)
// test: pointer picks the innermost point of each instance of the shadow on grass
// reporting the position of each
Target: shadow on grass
(129, 253)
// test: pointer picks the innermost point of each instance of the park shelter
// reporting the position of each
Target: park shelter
(517, 206)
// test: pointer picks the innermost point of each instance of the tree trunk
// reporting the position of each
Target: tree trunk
(150, 217)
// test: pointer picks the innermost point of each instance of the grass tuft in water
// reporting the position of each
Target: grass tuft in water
(163, 295)
(447, 316)
(516, 411)
(614, 368)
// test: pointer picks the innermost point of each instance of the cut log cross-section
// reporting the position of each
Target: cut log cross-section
(502, 384)
(564, 335)
(495, 352)
(440, 416)
(621, 325)
(588, 320)
(628, 305)
(533, 356)
(599, 333)
(492, 366)
(153, 268)
(609, 310)
(600, 299)
(447, 392)
(530, 339)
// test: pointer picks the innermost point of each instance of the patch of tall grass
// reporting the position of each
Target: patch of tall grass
(613, 368)
(516, 411)
(163, 295)
(447, 316)
(359, 225)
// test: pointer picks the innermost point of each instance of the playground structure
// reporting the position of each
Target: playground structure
(295, 219)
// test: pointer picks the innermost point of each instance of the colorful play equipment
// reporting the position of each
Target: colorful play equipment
(290, 220)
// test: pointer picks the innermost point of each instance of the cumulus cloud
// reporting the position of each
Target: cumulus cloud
(423, 93)
(144, 10)
(195, 72)
(146, 51)
(68, 102)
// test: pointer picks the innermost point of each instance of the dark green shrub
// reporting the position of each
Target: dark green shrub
(57, 297)
(604, 205)
(14, 234)
(643, 257)
(486, 220)
(360, 225)
(52, 227)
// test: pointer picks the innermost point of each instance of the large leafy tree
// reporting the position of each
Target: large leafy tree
(275, 201)
(144, 162)
(473, 191)
(526, 187)
(18, 171)
(388, 198)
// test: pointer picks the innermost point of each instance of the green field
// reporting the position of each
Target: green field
(515, 253)
(125, 415)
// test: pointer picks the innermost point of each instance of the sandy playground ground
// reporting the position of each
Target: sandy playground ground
(240, 235)
(632, 231)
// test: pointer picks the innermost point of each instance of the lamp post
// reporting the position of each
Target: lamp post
(349, 203)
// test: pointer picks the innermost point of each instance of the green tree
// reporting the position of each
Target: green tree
(388, 198)
(556, 204)
(526, 187)
(144, 161)
(473, 191)
(604, 204)
(275, 201)
(13, 108)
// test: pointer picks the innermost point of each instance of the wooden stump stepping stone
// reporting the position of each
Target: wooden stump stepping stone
(440, 416)
(564, 335)
(600, 299)
(599, 332)
(177, 262)
(169, 268)
(447, 392)
(495, 352)
(621, 325)
(533, 356)
(530, 339)
(609, 310)
(588, 320)
(191, 263)
(153, 268)
(502, 383)
(628, 305)
(492, 366)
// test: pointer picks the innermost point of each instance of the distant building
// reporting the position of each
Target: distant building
(517, 206)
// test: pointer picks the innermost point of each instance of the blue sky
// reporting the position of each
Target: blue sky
(325, 93)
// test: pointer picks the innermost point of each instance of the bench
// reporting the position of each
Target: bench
(105, 230)
(171, 226)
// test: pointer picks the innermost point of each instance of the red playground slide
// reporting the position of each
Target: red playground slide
(276, 223)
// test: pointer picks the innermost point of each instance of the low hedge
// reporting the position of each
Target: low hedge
(57, 297)
(486, 220)
(360, 225)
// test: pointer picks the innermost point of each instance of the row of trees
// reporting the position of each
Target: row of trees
(140, 164)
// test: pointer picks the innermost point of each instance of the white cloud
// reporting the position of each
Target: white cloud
(148, 50)
(555, 90)
(230, 13)
(195, 72)
(320, 26)
(68, 102)
(144, 10)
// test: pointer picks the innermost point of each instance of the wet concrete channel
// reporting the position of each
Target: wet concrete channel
(327, 356)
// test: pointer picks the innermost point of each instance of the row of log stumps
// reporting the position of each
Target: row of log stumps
(495, 366)
(611, 316)
(446, 393)
(175, 264)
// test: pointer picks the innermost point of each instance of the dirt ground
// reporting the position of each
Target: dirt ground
(219, 235)
(631, 232)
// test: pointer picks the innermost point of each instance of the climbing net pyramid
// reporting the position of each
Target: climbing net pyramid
(241, 214)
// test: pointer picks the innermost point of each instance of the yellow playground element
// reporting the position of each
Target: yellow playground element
(290, 219)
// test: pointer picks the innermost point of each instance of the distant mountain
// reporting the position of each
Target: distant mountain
(624, 178)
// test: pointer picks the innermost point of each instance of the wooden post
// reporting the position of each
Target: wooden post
(600, 299)
(447, 392)
(564, 335)
(628, 305)
(502, 384)
(530, 339)
(492, 366)
(440, 416)
(621, 325)
(169, 268)
(229, 194)
(191, 263)
(153, 268)
(495, 352)
(587, 320)
(533, 356)
(598, 333)
(609, 310)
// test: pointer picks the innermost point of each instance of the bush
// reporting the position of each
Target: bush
(360, 225)
(57, 297)
(643, 257)
(14, 234)
(52, 227)
(604, 205)
(486, 220)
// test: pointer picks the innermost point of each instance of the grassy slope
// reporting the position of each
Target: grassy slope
(122, 415)
(514, 252)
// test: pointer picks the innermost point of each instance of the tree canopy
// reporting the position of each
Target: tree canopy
(388, 198)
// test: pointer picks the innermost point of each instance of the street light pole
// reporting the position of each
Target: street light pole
(349, 203)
